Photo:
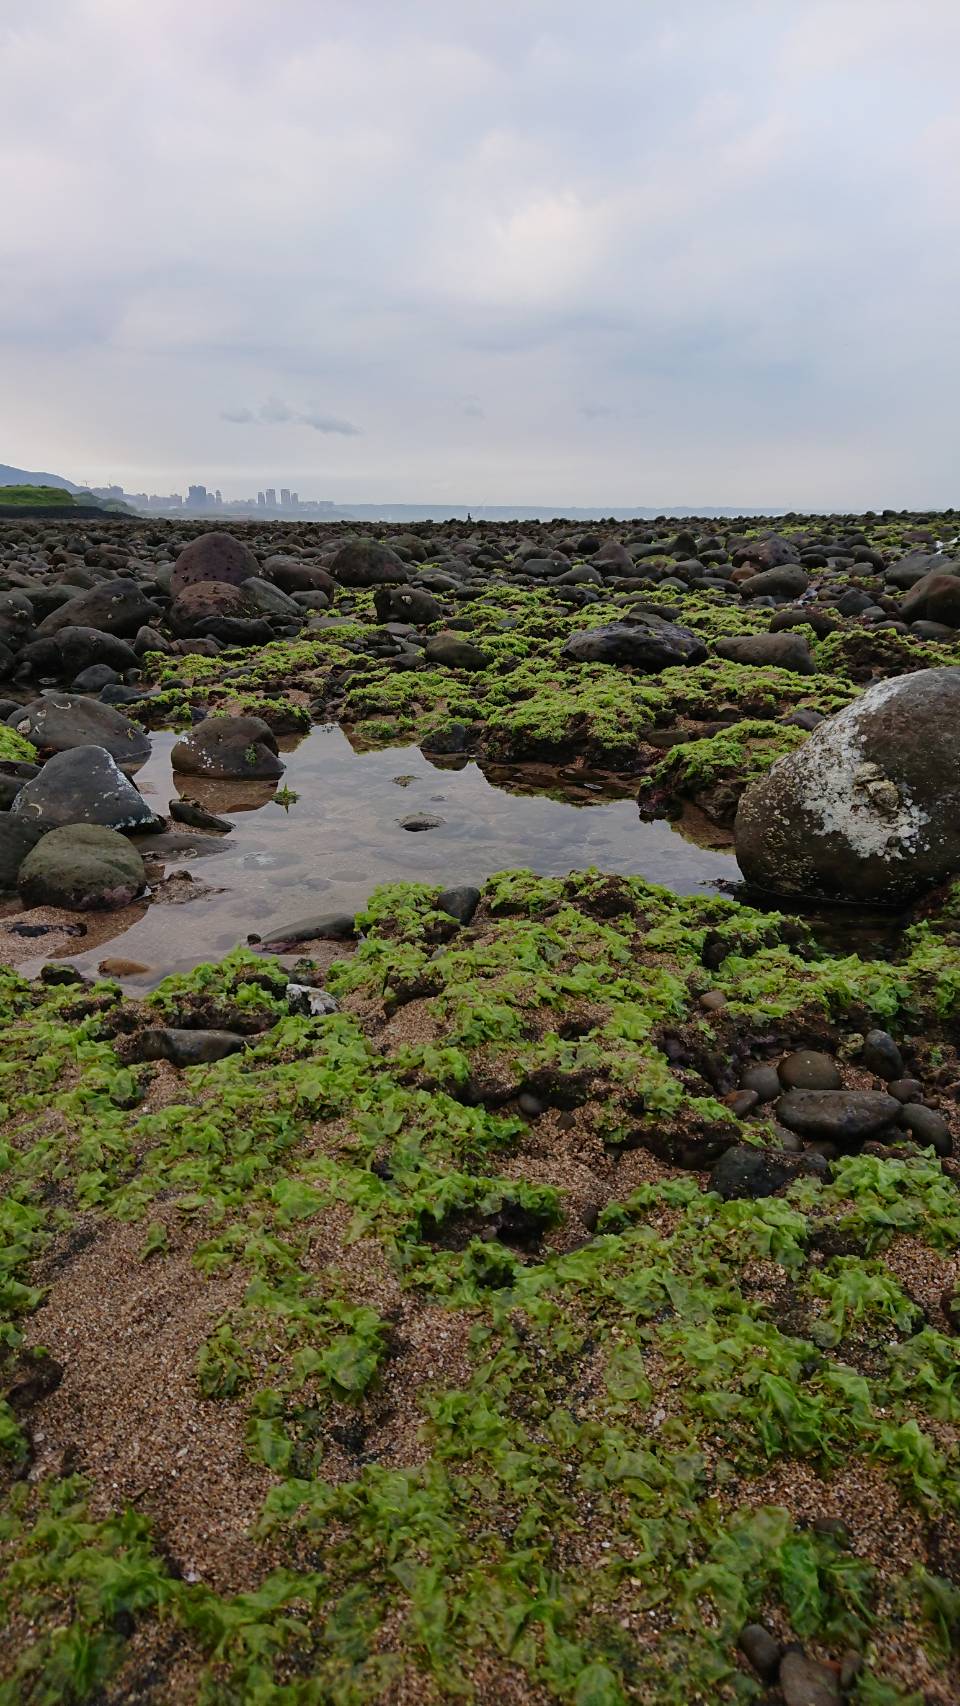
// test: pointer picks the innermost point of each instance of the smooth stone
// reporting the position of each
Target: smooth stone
(117, 607)
(905, 1089)
(61, 721)
(365, 562)
(228, 747)
(805, 1682)
(809, 1070)
(881, 1055)
(332, 926)
(84, 785)
(453, 653)
(83, 867)
(764, 1080)
(868, 808)
(17, 839)
(843, 1116)
(187, 811)
(213, 557)
(929, 1128)
(775, 651)
(460, 903)
(188, 1048)
(762, 1650)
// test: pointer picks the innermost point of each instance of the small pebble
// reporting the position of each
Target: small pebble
(713, 1001)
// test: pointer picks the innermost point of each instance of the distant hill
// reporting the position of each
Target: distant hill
(23, 477)
(34, 497)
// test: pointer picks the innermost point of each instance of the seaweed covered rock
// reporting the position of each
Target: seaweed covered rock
(867, 809)
(81, 866)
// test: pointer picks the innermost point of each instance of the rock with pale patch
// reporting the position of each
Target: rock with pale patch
(868, 809)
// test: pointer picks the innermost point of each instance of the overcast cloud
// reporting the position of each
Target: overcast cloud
(670, 252)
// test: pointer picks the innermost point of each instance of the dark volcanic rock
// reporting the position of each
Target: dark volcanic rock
(201, 606)
(778, 651)
(65, 720)
(747, 1172)
(83, 785)
(809, 1070)
(81, 866)
(365, 562)
(455, 653)
(213, 557)
(17, 838)
(117, 607)
(406, 604)
(845, 1117)
(869, 807)
(235, 747)
(649, 643)
(74, 649)
(187, 1048)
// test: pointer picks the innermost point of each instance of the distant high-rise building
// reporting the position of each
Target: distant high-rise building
(261, 500)
(271, 497)
(294, 500)
(285, 496)
(197, 497)
(218, 498)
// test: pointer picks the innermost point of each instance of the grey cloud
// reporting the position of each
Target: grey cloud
(732, 234)
(277, 413)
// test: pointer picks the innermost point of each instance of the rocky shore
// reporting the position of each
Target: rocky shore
(542, 1289)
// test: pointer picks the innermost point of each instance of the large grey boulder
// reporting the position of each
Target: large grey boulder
(213, 557)
(232, 747)
(117, 607)
(60, 721)
(82, 867)
(647, 642)
(868, 809)
(776, 651)
(365, 562)
(84, 785)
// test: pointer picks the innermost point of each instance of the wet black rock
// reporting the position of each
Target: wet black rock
(72, 650)
(927, 1127)
(117, 607)
(764, 1080)
(189, 812)
(406, 604)
(81, 867)
(786, 580)
(453, 653)
(18, 837)
(747, 1172)
(648, 643)
(844, 1117)
(232, 747)
(365, 562)
(61, 721)
(777, 651)
(187, 1048)
(460, 903)
(881, 1055)
(807, 1069)
(319, 926)
(213, 557)
(84, 785)
(762, 1650)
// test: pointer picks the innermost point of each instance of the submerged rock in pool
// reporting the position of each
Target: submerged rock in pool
(231, 747)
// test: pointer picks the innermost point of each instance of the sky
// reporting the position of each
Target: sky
(633, 252)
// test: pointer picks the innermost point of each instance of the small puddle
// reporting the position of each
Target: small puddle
(343, 836)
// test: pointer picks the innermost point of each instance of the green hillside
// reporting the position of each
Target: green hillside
(30, 497)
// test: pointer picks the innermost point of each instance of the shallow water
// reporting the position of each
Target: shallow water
(343, 836)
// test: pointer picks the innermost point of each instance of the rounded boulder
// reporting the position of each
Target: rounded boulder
(213, 557)
(867, 809)
(81, 867)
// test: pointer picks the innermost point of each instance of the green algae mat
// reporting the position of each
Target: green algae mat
(407, 1355)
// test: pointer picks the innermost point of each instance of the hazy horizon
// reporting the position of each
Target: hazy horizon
(683, 255)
